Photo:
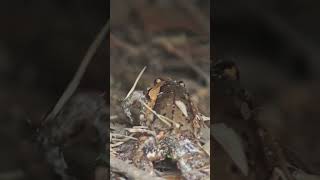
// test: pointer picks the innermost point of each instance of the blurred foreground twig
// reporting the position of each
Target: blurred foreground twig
(79, 74)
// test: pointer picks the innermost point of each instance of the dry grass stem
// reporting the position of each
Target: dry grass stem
(162, 118)
(135, 83)
(114, 117)
(134, 130)
(116, 144)
(121, 135)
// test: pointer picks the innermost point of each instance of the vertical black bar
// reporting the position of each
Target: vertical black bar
(107, 94)
(212, 60)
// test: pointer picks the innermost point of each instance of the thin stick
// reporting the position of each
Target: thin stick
(162, 118)
(140, 127)
(113, 117)
(135, 83)
(121, 135)
(116, 144)
(133, 130)
(79, 74)
(129, 170)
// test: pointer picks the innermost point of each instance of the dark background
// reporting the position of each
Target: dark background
(282, 33)
(276, 46)
(42, 42)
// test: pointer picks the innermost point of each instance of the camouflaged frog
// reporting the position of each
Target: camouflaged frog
(166, 109)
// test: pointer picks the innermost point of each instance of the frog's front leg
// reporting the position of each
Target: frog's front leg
(146, 152)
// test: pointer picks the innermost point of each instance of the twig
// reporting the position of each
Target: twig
(134, 130)
(135, 83)
(116, 144)
(79, 74)
(129, 170)
(114, 117)
(121, 135)
(140, 127)
(162, 118)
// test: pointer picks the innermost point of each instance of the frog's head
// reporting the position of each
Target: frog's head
(173, 86)
(167, 80)
(161, 80)
(166, 85)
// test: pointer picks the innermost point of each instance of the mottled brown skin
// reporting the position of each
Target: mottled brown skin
(165, 105)
(181, 144)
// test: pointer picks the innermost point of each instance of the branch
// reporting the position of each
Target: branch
(73, 85)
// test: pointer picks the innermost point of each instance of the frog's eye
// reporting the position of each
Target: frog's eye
(181, 83)
(157, 81)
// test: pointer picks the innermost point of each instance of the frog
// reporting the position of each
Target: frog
(173, 102)
(169, 111)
